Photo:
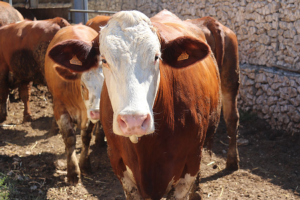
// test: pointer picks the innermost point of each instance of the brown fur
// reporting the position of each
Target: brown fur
(223, 43)
(187, 107)
(65, 88)
(22, 51)
(96, 22)
(8, 14)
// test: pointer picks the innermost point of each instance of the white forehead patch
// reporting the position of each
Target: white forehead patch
(128, 33)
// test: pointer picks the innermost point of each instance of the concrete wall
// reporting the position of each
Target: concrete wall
(268, 32)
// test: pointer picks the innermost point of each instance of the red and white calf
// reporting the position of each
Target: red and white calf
(76, 96)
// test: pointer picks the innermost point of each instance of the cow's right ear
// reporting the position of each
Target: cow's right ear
(75, 56)
(66, 74)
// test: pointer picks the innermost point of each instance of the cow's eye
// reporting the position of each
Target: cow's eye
(103, 61)
(156, 58)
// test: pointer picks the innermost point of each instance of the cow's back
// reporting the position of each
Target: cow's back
(8, 14)
(67, 93)
(98, 21)
(25, 47)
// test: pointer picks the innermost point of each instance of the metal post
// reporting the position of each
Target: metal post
(78, 17)
(10, 2)
(85, 7)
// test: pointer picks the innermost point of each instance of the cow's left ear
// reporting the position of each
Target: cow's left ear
(184, 51)
(76, 55)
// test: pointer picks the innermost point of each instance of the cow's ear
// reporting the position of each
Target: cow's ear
(184, 51)
(66, 74)
(76, 55)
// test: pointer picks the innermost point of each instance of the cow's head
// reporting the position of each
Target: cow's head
(79, 60)
(131, 49)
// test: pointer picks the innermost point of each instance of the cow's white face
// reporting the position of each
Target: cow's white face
(91, 87)
(130, 52)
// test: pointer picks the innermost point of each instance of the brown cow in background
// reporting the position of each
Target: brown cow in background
(98, 21)
(22, 52)
(224, 45)
(8, 14)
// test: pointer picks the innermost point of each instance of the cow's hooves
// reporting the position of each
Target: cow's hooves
(2, 119)
(232, 166)
(196, 196)
(27, 118)
(85, 169)
(100, 143)
(73, 179)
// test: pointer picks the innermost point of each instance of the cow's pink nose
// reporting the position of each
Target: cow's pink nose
(137, 125)
(95, 114)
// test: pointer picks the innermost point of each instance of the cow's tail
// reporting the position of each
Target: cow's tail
(219, 36)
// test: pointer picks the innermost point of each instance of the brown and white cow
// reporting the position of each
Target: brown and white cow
(22, 52)
(76, 96)
(9, 14)
(160, 98)
(97, 22)
(223, 43)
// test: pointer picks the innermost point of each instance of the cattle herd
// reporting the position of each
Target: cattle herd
(162, 83)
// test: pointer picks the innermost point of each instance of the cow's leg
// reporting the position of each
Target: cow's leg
(183, 189)
(54, 128)
(64, 123)
(130, 190)
(230, 81)
(84, 161)
(4, 90)
(99, 135)
(24, 91)
(196, 192)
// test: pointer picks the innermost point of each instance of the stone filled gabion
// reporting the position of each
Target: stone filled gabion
(268, 33)
(272, 94)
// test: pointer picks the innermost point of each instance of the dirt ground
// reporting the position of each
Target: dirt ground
(33, 165)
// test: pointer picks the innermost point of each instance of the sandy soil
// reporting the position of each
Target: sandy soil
(32, 160)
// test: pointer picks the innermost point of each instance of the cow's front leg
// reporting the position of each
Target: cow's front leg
(24, 91)
(4, 90)
(182, 190)
(99, 135)
(196, 192)
(65, 126)
(84, 161)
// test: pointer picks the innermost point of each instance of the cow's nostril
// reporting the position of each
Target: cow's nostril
(121, 122)
(95, 114)
(146, 122)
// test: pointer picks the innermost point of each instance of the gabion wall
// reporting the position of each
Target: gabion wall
(272, 93)
(268, 32)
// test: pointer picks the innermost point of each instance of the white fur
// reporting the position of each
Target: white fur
(183, 186)
(129, 44)
(129, 185)
(93, 80)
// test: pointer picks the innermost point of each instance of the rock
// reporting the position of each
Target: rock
(296, 117)
(272, 100)
(297, 39)
(264, 39)
(33, 187)
(241, 141)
